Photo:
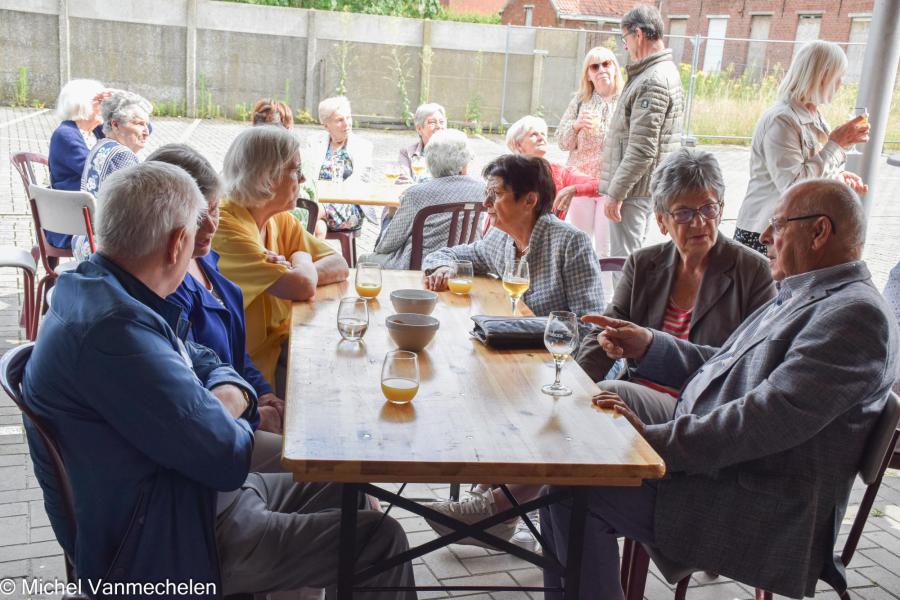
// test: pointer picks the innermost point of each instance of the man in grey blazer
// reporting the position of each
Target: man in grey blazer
(769, 429)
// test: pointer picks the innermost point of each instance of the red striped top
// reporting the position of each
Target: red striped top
(676, 322)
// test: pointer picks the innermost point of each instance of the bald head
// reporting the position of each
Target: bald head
(835, 199)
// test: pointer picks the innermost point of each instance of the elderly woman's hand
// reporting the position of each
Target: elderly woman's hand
(563, 199)
(611, 401)
(854, 181)
(437, 281)
(621, 339)
(585, 121)
(854, 131)
(272, 257)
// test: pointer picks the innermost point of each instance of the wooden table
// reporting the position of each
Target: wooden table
(479, 416)
(380, 193)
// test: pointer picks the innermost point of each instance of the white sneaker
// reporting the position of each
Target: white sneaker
(472, 509)
(523, 536)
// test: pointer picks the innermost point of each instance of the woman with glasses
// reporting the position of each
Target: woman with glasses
(429, 119)
(582, 131)
(699, 286)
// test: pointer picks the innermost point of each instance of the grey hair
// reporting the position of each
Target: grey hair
(837, 200)
(813, 74)
(517, 131)
(76, 99)
(684, 171)
(426, 110)
(120, 107)
(255, 162)
(329, 106)
(448, 152)
(646, 18)
(138, 208)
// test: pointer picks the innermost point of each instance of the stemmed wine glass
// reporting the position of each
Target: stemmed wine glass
(418, 167)
(859, 110)
(516, 280)
(561, 339)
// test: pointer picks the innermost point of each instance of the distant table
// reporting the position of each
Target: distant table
(379, 193)
(894, 160)
(479, 416)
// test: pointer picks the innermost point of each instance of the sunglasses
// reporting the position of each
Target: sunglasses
(605, 64)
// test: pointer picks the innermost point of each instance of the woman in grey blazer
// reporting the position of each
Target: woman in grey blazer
(698, 286)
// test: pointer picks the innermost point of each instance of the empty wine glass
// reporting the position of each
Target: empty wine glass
(400, 376)
(859, 110)
(353, 318)
(461, 276)
(368, 279)
(561, 339)
(516, 280)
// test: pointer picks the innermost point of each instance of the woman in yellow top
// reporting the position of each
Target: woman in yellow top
(263, 248)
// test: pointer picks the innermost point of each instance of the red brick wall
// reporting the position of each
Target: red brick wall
(484, 7)
(543, 14)
(835, 24)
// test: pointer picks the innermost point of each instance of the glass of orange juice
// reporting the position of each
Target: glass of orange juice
(400, 376)
(461, 276)
(368, 279)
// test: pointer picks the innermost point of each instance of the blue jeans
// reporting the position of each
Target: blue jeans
(612, 512)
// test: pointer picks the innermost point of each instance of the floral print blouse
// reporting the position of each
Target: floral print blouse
(586, 146)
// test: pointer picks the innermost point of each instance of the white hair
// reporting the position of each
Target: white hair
(520, 128)
(329, 106)
(76, 99)
(138, 208)
(121, 106)
(426, 110)
(448, 152)
(686, 171)
(813, 74)
(256, 161)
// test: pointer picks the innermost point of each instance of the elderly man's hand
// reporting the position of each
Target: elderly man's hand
(437, 281)
(854, 181)
(612, 208)
(272, 400)
(621, 339)
(270, 420)
(612, 401)
(563, 199)
(232, 397)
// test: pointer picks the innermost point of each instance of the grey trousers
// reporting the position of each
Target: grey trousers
(282, 535)
(627, 235)
(648, 404)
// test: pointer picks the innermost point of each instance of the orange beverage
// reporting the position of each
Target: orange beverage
(398, 390)
(368, 290)
(460, 285)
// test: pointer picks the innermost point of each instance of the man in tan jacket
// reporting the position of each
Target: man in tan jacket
(645, 128)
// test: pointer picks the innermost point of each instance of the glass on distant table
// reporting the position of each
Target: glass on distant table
(353, 318)
(561, 339)
(418, 167)
(368, 279)
(461, 277)
(400, 376)
(393, 172)
(516, 280)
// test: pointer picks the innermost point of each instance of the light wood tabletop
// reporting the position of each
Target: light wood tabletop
(356, 192)
(479, 414)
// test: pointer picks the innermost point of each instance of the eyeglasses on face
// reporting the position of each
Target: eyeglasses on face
(778, 224)
(435, 123)
(606, 64)
(707, 212)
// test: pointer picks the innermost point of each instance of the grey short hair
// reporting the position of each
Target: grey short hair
(684, 171)
(646, 18)
(813, 73)
(76, 99)
(120, 106)
(517, 130)
(255, 162)
(426, 110)
(448, 152)
(837, 200)
(329, 106)
(138, 208)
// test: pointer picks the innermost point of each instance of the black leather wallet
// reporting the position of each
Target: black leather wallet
(509, 332)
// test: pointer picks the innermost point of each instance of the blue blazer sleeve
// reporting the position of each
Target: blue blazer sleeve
(68, 151)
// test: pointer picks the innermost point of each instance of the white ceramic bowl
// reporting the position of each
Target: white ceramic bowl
(411, 331)
(414, 301)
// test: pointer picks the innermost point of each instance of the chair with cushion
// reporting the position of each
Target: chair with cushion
(18, 258)
(874, 462)
(463, 227)
(68, 213)
(612, 264)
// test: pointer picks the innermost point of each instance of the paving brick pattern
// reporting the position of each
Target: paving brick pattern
(27, 545)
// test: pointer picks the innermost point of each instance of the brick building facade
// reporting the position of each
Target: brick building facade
(482, 7)
(568, 14)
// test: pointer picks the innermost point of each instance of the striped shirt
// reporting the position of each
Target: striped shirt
(677, 323)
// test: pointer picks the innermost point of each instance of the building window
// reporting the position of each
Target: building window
(756, 50)
(715, 44)
(677, 33)
(808, 28)
(529, 10)
(856, 50)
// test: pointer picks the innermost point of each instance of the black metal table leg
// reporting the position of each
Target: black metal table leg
(454, 492)
(347, 551)
(576, 543)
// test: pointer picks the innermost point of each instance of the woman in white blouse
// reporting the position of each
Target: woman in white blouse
(792, 142)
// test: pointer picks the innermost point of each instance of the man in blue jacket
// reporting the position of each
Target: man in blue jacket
(151, 427)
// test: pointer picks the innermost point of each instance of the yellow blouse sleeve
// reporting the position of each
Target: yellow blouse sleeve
(292, 237)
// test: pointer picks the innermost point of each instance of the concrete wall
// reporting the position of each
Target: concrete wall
(242, 52)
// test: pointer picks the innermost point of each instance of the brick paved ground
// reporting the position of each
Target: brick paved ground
(27, 546)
